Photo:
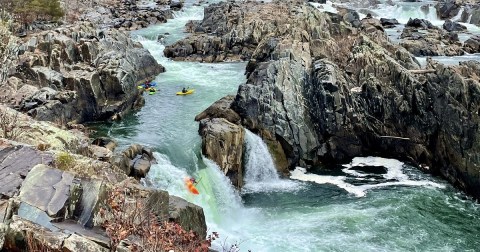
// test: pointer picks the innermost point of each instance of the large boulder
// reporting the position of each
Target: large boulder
(472, 45)
(453, 26)
(48, 190)
(447, 9)
(222, 142)
(188, 215)
(220, 109)
(135, 161)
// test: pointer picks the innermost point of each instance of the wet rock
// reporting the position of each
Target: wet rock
(447, 9)
(220, 109)
(188, 215)
(472, 45)
(135, 161)
(222, 142)
(419, 23)
(141, 166)
(453, 26)
(176, 5)
(389, 22)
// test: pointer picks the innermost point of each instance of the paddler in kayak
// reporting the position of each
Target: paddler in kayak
(184, 90)
(148, 84)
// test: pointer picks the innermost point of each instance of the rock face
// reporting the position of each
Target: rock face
(453, 26)
(83, 73)
(222, 142)
(325, 104)
(188, 215)
(228, 32)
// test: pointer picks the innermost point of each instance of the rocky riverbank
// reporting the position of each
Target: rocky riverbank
(328, 87)
(59, 188)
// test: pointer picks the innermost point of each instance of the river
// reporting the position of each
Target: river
(373, 204)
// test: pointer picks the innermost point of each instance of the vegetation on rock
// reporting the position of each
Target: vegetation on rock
(127, 219)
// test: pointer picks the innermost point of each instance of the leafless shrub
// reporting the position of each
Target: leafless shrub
(9, 124)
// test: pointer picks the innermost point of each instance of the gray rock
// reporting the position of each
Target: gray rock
(188, 215)
(447, 9)
(16, 162)
(76, 243)
(472, 45)
(141, 166)
(389, 22)
(453, 26)
(220, 109)
(94, 73)
(47, 189)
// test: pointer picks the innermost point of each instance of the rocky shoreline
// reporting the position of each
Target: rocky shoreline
(55, 182)
(332, 87)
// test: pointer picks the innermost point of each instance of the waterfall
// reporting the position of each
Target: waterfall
(259, 164)
(260, 172)
(458, 17)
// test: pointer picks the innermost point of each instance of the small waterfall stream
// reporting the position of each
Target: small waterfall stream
(259, 164)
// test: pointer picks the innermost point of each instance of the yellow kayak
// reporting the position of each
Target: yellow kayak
(190, 91)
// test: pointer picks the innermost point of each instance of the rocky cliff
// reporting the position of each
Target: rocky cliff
(79, 73)
(334, 88)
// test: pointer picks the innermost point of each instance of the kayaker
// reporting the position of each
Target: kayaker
(184, 90)
(148, 84)
(193, 180)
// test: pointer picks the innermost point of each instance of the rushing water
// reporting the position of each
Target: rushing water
(371, 204)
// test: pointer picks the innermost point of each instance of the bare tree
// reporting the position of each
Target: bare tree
(9, 124)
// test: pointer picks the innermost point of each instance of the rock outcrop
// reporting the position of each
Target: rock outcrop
(222, 142)
(324, 104)
(82, 73)
(130, 15)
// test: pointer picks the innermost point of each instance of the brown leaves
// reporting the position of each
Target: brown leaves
(127, 219)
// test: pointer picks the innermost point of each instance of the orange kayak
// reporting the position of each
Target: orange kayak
(190, 186)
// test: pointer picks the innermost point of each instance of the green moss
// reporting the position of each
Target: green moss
(64, 161)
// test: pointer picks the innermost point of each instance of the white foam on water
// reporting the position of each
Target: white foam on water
(328, 7)
(394, 172)
(394, 167)
(300, 173)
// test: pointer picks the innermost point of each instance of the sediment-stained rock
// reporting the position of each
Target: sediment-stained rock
(222, 142)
